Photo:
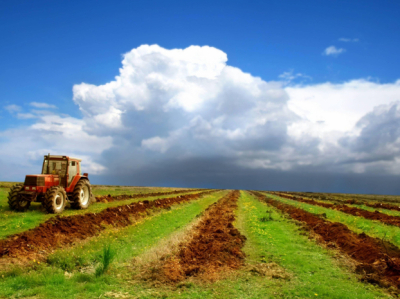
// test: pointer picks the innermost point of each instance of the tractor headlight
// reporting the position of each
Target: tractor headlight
(26, 188)
(33, 188)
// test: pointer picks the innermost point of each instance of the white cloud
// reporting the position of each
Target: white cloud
(183, 105)
(42, 105)
(290, 76)
(54, 134)
(333, 51)
(340, 105)
(347, 40)
(156, 144)
(12, 108)
(25, 115)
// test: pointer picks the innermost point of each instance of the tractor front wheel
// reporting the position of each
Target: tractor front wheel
(14, 200)
(81, 197)
(55, 199)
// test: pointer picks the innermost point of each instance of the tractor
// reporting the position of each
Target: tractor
(61, 181)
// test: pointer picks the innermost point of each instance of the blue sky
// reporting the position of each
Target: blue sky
(50, 46)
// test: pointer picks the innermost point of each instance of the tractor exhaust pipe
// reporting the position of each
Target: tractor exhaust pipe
(48, 163)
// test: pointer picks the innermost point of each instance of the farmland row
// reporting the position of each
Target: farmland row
(376, 215)
(296, 266)
(59, 231)
(215, 245)
(373, 228)
(67, 273)
(385, 208)
(344, 200)
(12, 222)
(379, 261)
(110, 198)
(293, 265)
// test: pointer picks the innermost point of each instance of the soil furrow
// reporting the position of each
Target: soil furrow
(109, 198)
(215, 245)
(379, 261)
(352, 201)
(60, 231)
(385, 206)
(384, 218)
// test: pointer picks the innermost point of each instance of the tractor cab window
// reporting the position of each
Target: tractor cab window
(72, 171)
(54, 167)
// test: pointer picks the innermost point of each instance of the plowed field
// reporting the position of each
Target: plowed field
(376, 215)
(202, 243)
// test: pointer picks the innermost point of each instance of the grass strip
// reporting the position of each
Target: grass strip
(53, 279)
(315, 272)
(359, 205)
(101, 190)
(357, 224)
(344, 208)
(12, 222)
(384, 211)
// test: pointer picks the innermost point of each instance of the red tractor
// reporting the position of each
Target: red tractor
(61, 181)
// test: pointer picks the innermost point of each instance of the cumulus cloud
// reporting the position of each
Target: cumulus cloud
(185, 115)
(340, 106)
(42, 105)
(23, 149)
(333, 51)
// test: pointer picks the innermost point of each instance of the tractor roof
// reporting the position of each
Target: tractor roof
(62, 157)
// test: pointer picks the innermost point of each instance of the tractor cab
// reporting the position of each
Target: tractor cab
(63, 168)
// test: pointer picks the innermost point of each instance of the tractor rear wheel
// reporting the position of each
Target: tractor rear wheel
(55, 199)
(81, 197)
(14, 200)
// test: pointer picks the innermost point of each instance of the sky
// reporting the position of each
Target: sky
(267, 95)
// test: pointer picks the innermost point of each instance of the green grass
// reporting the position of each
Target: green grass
(384, 211)
(364, 207)
(48, 280)
(106, 259)
(12, 222)
(357, 224)
(70, 272)
(100, 190)
(315, 271)
(394, 199)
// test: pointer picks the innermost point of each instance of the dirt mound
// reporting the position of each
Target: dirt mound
(387, 219)
(215, 245)
(109, 198)
(59, 231)
(379, 261)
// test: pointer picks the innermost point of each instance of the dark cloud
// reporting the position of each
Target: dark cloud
(223, 173)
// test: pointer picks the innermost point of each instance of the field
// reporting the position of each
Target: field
(142, 242)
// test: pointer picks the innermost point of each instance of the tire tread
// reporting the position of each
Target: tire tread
(48, 201)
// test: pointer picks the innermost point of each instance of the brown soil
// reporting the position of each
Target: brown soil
(385, 206)
(387, 219)
(109, 198)
(215, 246)
(58, 231)
(379, 261)
(352, 201)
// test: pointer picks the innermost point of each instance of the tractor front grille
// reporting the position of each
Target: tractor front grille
(34, 181)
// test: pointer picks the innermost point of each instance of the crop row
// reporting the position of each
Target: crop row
(379, 262)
